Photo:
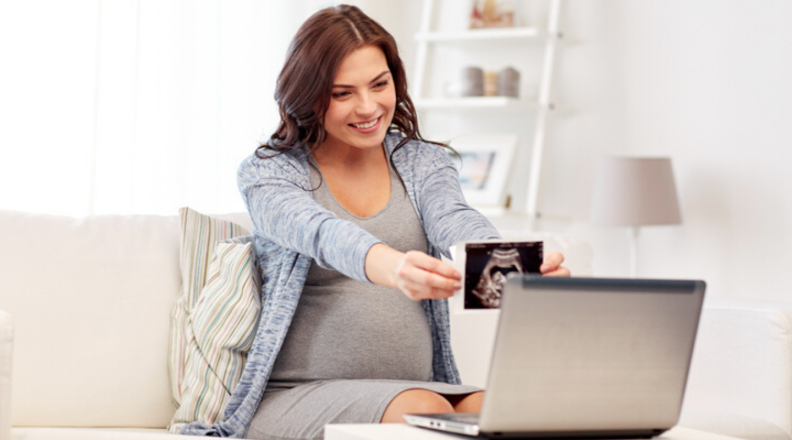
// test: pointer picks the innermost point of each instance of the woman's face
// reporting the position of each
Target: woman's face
(363, 100)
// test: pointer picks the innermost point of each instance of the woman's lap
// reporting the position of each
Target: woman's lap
(301, 412)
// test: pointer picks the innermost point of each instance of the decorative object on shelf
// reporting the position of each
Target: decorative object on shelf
(485, 167)
(472, 81)
(635, 192)
(490, 83)
(509, 82)
(491, 13)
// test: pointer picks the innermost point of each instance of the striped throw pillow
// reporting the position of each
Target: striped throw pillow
(215, 318)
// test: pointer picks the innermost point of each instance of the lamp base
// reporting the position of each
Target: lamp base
(633, 231)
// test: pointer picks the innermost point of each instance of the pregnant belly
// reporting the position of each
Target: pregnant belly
(377, 333)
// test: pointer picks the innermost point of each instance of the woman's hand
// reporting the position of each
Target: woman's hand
(552, 266)
(418, 275)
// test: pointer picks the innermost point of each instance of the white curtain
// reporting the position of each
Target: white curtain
(136, 106)
(139, 106)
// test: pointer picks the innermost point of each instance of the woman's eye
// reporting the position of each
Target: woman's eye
(340, 95)
(381, 84)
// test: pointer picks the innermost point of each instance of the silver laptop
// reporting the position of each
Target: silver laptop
(585, 358)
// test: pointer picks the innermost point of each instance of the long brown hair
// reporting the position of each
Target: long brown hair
(305, 84)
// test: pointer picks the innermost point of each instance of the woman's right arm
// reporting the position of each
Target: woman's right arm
(285, 213)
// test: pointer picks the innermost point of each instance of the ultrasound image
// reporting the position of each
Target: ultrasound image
(487, 265)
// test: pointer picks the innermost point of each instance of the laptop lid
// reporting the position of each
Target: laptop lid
(590, 355)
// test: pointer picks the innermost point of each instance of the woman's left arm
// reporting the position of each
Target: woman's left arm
(448, 218)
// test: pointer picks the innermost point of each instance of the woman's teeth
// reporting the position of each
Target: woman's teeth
(366, 124)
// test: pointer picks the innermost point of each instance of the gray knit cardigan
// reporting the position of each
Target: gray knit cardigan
(291, 229)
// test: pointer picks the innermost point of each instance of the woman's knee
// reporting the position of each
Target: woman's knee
(415, 401)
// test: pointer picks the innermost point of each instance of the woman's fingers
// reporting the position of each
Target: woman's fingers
(435, 281)
(432, 264)
(560, 272)
(420, 284)
(551, 262)
(552, 266)
(424, 277)
(420, 291)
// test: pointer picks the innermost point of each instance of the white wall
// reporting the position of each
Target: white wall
(706, 82)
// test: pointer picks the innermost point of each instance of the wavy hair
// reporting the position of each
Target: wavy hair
(305, 84)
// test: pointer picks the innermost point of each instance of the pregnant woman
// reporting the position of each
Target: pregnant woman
(352, 210)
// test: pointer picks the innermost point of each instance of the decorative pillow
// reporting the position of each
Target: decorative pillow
(214, 320)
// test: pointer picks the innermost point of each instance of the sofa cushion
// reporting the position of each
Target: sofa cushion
(741, 363)
(220, 330)
(90, 299)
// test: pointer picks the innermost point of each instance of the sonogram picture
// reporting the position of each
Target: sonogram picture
(486, 267)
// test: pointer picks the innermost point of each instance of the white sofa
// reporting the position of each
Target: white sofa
(90, 302)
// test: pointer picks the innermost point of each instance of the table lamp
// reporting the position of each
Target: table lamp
(634, 192)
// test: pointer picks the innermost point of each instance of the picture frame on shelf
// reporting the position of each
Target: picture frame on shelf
(485, 167)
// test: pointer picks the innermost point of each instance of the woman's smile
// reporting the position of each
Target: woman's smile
(368, 126)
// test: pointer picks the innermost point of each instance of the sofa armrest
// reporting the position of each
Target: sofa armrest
(741, 369)
(6, 346)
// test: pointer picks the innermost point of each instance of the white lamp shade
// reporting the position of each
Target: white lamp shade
(632, 191)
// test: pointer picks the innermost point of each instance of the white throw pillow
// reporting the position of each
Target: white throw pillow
(214, 320)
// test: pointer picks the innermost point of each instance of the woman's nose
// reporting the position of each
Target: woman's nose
(366, 104)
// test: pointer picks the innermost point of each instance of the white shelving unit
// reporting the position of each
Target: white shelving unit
(539, 107)
(480, 35)
(485, 102)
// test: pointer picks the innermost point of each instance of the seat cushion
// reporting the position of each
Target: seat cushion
(733, 425)
(92, 434)
(6, 350)
(91, 300)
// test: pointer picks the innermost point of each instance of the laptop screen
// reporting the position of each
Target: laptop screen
(589, 354)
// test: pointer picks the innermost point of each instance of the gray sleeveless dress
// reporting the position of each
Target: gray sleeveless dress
(352, 346)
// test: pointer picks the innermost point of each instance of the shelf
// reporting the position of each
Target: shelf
(520, 33)
(533, 108)
(477, 102)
